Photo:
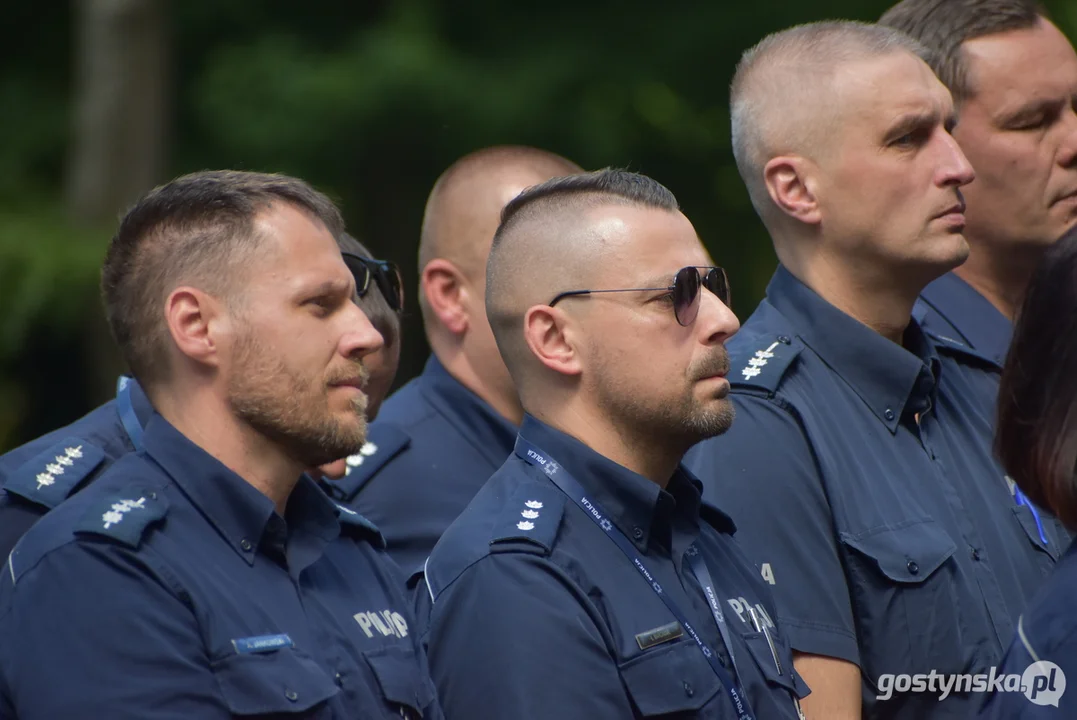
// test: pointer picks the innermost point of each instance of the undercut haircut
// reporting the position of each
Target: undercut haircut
(601, 187)
(1036, 438)
(543, 226)
(197, 230)
(943, 26)
(779, 100)
(374, 305)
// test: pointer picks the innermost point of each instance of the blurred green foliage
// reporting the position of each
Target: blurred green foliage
(371, 101)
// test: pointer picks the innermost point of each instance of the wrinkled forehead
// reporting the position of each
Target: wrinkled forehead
(872, 93)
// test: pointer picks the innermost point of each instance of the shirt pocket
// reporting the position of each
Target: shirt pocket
(785, 677)
(1027, 520)
(674, 679)
(902, 584)
(286, 682)
(404, 686)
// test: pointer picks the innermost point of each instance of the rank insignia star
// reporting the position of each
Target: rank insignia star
(525, 525)
(119, 509)
(44, 479)
(368, 449)
(65, 460)
(750, 372)
(534, 504)
(55, 468)
(530, 514)
(74, 453)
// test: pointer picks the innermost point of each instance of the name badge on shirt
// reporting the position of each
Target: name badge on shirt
(659, 635)
(261, 644)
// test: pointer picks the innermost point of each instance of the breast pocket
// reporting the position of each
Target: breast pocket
(406, 691)
(903, 588)
(671, 680)
(285, 682)
(779, 674)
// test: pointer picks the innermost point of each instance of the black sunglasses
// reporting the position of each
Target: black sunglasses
(685, 291)
(386, 276)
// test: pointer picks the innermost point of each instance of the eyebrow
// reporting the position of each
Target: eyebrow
(326, 287)
(911, 121)
(1031, 109)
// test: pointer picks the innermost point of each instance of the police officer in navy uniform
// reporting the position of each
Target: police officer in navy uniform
(1013, 77)
(587, 579)
(206, 576)
(860, 468)
(115, 428)
(444, 433)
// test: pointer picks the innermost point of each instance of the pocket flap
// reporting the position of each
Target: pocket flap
(760, 650)
(907, 553)
(398, 672)
(676, 678)
(281, 681)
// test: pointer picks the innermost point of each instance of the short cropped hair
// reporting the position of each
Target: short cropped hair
(784, 72)
(1036, 439)
(609, 185)
(374, 305)
(945, 25)
(197, 229)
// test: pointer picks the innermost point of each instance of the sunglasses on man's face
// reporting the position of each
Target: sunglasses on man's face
(685, 291)
(385, 274)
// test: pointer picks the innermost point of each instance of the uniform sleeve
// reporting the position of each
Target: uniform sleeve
(763, 473)
(92, 632)
(510, 638)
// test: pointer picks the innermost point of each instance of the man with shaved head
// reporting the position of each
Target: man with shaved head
(858, 471)
(586, 579)
(444, 433)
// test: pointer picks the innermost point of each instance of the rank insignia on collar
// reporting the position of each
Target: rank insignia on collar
(758, 361)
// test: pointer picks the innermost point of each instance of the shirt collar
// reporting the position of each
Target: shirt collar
(238, 510)
(638, 507)
(491, 434)
(883, 374)
(980, 323)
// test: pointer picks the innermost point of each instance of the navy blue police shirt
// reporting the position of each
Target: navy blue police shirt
(171, 588)
(536, 613)
(37, 476)
(861, 477)
(432, 447)
(1043, 653)
(951, 308)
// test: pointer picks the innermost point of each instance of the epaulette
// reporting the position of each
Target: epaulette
(384, 442)
(956, 347)
(761, 365)
(532, 516)
(124, 516)
(349, 518)
(50, 477)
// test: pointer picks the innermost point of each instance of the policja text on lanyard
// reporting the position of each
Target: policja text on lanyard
(568, 485)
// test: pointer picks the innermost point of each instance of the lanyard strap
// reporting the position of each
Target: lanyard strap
(127, 412)
(560, 477)
(703, 575)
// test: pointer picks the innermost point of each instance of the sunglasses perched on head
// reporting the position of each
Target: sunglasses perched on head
(385, 274)
(685, 290)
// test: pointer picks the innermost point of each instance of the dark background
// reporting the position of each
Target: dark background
(370, 100)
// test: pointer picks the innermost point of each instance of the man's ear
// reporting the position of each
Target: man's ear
(790, 186)
(551, 337)
(448, 294)
(196, 322)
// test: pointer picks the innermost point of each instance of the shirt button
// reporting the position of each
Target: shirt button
(889, 414)
(913, 567)
(976, 554)
(245, 544)
(784, 339)
(688, 689)
(291, 695)
(637, 533)
(339, 680)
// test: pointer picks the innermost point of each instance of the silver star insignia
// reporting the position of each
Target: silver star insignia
(525, 525)
(533, 504)
(44, 479)
(530, 514)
